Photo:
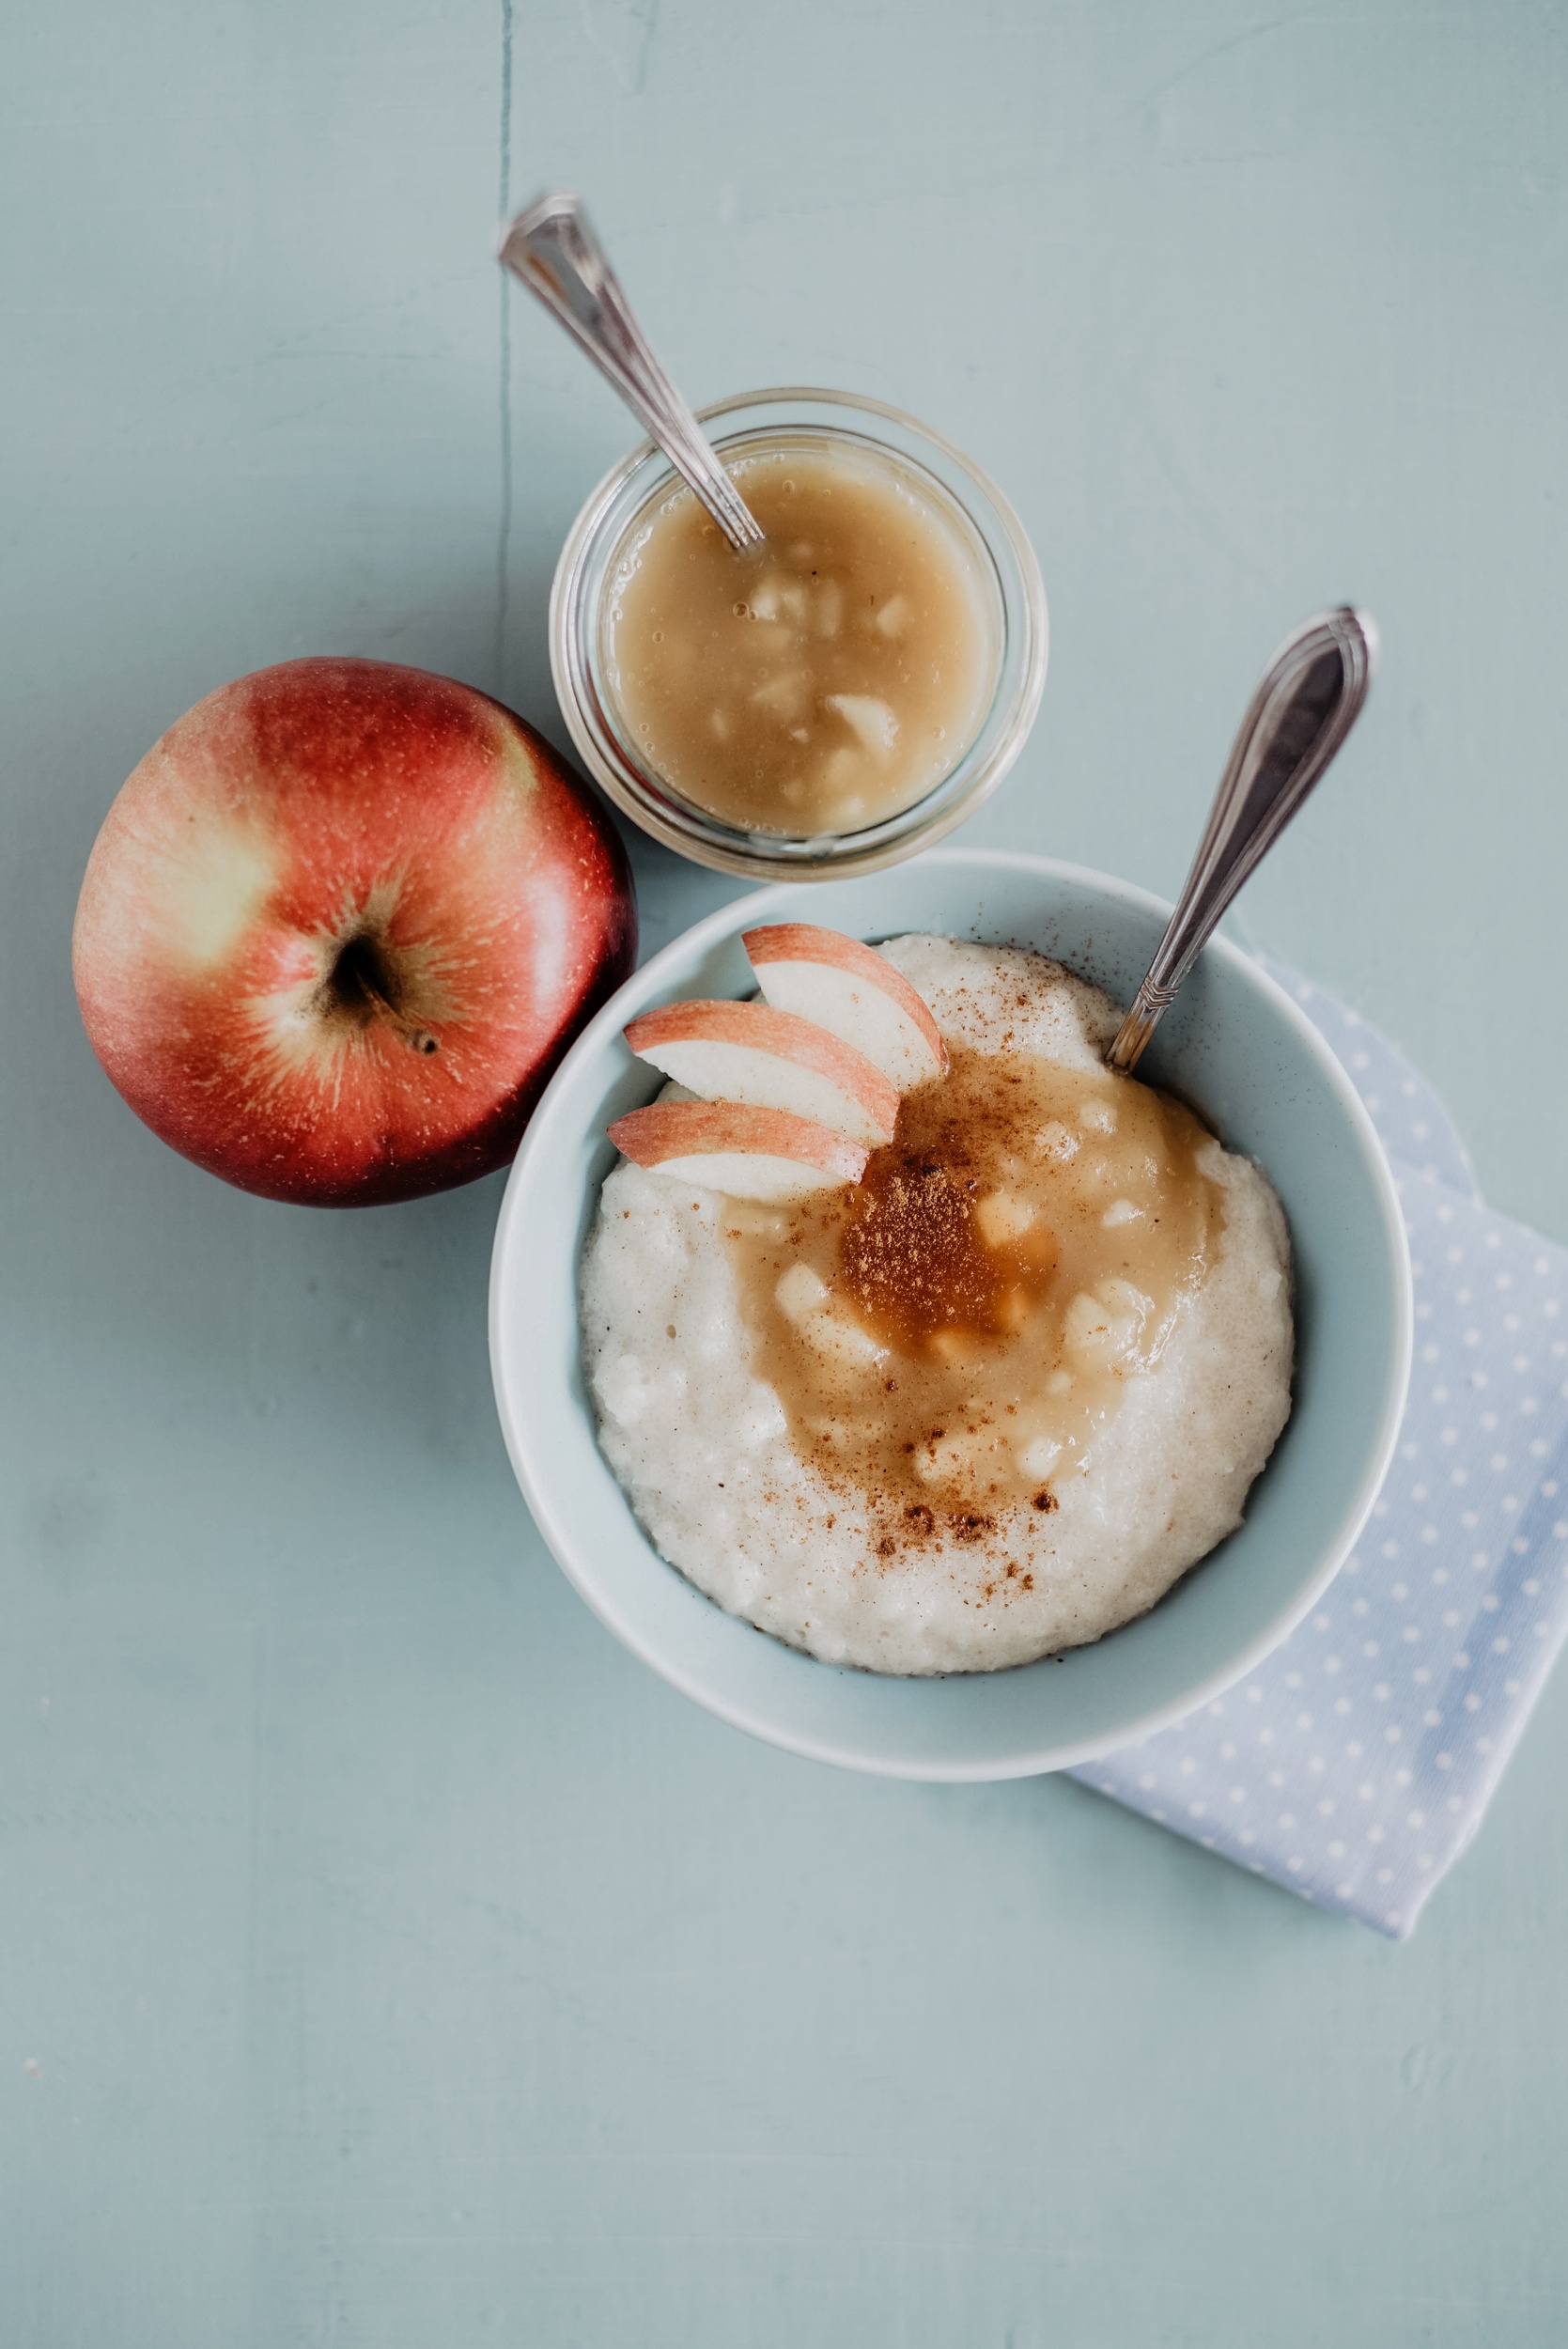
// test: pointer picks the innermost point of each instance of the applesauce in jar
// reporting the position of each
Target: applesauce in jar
(824, 681)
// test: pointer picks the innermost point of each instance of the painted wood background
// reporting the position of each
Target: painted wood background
(385, 1959)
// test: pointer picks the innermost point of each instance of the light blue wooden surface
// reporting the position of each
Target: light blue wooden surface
(385, 1960)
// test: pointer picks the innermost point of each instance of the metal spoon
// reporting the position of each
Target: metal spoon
(1310, 696)
(552, 249)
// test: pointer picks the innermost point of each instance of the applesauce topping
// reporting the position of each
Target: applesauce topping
(949, 1335)
(823, 681)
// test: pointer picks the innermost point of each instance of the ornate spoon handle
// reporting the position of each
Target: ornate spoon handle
(1310, 696)
(554, 250)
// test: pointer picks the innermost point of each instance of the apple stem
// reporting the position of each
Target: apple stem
(418, 1039)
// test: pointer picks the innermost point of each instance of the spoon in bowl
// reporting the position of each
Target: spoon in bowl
(552, 249)
(1310, 696)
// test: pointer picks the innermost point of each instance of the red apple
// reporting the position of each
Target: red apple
(339, 926)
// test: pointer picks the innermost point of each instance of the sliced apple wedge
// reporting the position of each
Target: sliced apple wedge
(852, 991)
(769, 1060)
(748, 1153)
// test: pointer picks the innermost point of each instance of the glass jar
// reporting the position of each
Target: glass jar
(1009, 582)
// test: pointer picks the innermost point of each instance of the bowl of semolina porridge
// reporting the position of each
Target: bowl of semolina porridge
(1026, 1441)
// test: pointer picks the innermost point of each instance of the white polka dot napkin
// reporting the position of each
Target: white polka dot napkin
(1357, 1764)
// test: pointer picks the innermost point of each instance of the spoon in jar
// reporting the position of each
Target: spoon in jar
(554, 250)
(1310, 696)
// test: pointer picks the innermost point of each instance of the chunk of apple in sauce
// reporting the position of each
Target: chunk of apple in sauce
(1106, 1325)
(870, 721)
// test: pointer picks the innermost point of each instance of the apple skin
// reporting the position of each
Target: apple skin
(854, 992)
(726, 1052)
(339, 926)
(728, 1145)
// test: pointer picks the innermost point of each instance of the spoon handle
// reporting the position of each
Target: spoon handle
(1310, 696)
(553, 248)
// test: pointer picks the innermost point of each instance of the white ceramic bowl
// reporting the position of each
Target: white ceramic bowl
(1236, 1046)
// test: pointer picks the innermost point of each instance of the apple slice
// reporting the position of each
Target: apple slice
(768, 1060)
(852, 991)
(732, 1146)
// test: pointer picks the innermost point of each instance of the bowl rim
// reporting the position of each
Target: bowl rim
(746, 911)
